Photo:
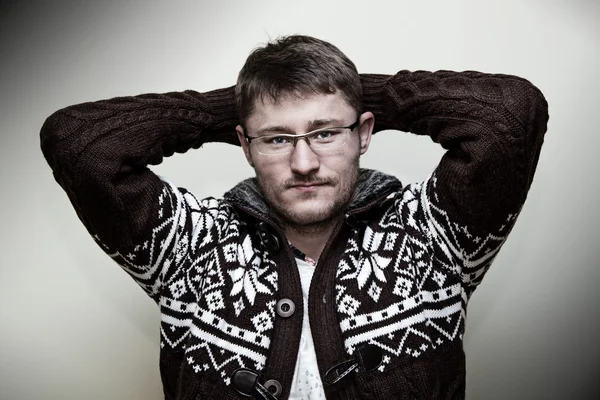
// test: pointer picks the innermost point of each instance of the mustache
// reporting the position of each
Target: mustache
(309, 181)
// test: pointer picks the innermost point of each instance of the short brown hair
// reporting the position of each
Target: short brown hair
(298, 65)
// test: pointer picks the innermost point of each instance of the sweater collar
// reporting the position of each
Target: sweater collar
(371, 188)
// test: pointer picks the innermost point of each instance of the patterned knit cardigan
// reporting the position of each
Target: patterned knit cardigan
(388, 297)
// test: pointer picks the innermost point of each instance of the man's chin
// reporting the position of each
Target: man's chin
(306, 216)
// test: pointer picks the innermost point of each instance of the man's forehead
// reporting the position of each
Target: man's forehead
(299, 111)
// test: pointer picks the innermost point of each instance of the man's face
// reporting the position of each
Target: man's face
(306, 188)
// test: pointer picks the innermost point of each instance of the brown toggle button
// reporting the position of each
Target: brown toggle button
(243, 381)
(285, 308)
(366, 358)
(274, 387)
(275, 243)
(270, 240)
(369, 356)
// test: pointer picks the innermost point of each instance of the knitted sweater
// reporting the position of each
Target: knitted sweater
(388, 298)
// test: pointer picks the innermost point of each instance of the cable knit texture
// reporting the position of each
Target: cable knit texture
(394, 279)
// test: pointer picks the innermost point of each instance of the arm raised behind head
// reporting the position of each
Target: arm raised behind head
(99, 153)
(492, 127)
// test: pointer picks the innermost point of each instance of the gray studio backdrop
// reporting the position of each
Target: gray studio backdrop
(74, 326)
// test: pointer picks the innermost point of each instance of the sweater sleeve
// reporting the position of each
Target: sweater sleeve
(99, 153)
(492, 128)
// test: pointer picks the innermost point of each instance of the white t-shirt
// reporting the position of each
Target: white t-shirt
(307, 383)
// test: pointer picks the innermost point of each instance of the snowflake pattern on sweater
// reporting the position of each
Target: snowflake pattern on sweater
(392, 288)
(404, 285)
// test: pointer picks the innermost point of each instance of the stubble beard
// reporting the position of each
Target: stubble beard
(320, 221)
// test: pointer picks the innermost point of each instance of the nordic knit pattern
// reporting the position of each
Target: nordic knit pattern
(397, 272)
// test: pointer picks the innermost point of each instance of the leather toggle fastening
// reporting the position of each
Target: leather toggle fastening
(356, 224)
(245, 382)
(366, 358)
(352, 221)
(370, 357)
(269, 240)
(275, 243)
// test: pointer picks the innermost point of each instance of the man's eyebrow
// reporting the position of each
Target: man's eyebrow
(324, 123)
(275, 129)
(312, 125)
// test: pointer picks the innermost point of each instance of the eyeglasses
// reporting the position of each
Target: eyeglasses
(319, 140)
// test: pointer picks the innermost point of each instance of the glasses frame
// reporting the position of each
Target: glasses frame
(295, 138)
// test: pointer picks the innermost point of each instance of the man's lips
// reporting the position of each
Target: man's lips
(307, 186)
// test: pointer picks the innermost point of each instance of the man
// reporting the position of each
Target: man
(315, 278)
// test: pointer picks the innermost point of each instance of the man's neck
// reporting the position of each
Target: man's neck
(311, 240)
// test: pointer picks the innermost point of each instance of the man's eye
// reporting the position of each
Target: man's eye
(277, 140)
(324, 134)
(327, 135)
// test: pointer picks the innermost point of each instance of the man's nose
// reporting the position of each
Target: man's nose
(304, 160)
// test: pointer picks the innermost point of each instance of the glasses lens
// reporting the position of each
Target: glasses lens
(275, 144)
(329, 138)
(319, 140)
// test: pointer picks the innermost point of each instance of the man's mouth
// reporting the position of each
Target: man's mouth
(307, 186)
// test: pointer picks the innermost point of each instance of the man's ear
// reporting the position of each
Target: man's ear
(365, 130)
(245, 144)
